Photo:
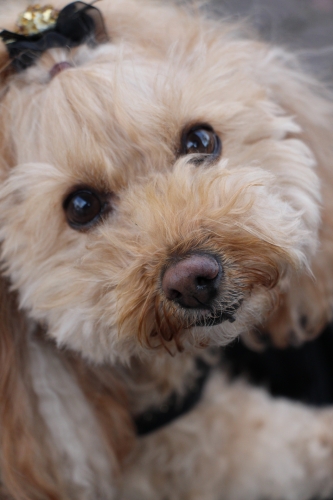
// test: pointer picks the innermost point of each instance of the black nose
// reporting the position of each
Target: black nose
(193, 282)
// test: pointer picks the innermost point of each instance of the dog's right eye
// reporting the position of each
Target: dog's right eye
(201, 139)
(82, 208)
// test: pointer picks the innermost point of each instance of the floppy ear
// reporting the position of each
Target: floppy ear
(25, 465)
(4, 65)
(306, 306)
(26, 469)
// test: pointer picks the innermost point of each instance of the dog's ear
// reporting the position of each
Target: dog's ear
(306, 306)
(26, 469)
(5, 67)
(6, 150)
(25, 464)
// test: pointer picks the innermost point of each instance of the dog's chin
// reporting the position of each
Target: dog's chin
(214, 319)
(209, 317)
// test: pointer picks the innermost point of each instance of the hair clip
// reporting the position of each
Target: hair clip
(43, 28)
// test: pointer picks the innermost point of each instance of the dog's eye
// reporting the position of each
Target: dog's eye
(82, 208)
(201, 140)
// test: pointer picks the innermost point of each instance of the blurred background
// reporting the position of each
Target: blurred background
(302, 25)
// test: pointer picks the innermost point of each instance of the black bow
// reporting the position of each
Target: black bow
(77, 23)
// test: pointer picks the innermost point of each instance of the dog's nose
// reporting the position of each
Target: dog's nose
(193, 282)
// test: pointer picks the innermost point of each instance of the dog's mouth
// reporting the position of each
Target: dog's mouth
(171, 320)
(215, 319)
(217, 316)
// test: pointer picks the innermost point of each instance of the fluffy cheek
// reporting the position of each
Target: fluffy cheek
(238, 215)
(100, 293)
(41, 255)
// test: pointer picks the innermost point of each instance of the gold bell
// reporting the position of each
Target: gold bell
(36, 19)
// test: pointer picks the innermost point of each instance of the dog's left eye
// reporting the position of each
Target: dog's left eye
(82, 208)
(201, 139)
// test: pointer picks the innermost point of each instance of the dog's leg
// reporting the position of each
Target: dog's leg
(237, 444)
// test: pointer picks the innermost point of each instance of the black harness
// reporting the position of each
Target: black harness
(174, 407)
(303, 374)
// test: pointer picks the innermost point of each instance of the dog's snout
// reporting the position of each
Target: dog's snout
(193, 282)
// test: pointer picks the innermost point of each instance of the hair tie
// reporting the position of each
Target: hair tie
(43, 28)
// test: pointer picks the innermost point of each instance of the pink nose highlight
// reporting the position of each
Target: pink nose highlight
(59, 67)
(193, 282)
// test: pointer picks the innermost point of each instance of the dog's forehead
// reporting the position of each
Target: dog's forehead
(125, 111)
(107, 111)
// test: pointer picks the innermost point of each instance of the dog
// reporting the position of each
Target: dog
(166, 188)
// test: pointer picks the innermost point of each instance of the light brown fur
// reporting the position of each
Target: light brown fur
(88, 339)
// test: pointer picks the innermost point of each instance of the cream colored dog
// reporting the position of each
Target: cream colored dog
(162, 193)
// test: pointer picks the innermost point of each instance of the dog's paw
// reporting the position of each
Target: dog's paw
(301, 314)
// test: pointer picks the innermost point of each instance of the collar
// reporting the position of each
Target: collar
(174, 407)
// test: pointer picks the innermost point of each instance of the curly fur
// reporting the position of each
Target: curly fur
(86, 331)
